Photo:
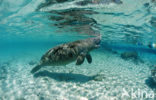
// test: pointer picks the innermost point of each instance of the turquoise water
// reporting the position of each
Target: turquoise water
(29, 28)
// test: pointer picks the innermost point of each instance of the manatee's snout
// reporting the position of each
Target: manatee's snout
(97, 40)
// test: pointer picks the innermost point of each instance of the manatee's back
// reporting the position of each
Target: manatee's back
(57, 56)
(61, 53)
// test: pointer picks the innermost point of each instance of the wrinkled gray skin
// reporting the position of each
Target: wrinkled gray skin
(69, 52)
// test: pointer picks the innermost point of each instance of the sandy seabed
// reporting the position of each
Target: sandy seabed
(107, 78)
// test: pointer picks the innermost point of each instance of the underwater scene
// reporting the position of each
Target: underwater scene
(77, 49)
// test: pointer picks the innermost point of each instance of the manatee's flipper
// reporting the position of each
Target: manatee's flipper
(89, 58)
(80, 59)
(36, 68)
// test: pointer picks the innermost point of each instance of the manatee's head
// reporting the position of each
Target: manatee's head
(96, 42)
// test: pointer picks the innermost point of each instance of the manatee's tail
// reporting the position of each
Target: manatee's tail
(36, 68)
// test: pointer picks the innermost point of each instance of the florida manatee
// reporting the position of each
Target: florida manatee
(66, 53)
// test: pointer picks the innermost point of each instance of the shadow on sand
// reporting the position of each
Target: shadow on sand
(67, 77)
(150, 83)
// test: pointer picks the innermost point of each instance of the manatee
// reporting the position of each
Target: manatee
(66, 53)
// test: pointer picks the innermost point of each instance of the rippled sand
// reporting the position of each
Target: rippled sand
(105, 79)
